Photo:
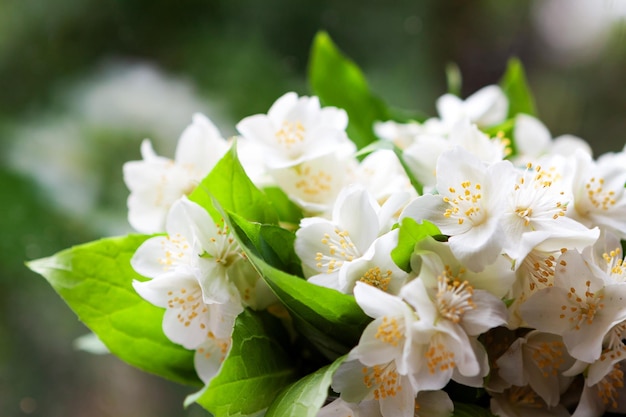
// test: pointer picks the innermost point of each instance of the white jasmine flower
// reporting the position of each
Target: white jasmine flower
(375, 267)
(296, 129)
(156, 182)
(580, 306)
(522, 402)
(486, 107)
(468, 207)
(537, 359)
(378, 388)
(315, 183)
(599, 197)
(325, 246)
(194, 245)
(432, 258)
(451, 316)
(604, 394)
(536, 202)
(188, 320)
(427, 404)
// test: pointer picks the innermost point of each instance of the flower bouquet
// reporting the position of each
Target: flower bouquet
(349, 260)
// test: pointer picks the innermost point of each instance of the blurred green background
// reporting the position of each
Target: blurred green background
(82, 82)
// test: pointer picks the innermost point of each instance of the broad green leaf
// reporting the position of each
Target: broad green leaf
(516, 88)
(271, 243)
(305, 397)
(332, 321)
(287, 211)
(410, 233)
(470, 410)
(339, 82)
(256, 369)
(95, 280)
(230, 186)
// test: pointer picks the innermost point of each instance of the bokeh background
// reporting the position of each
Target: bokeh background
(82, 82)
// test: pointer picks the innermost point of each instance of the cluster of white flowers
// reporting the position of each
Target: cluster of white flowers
(524, 296)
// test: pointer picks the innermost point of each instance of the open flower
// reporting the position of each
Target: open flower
(194, 245)
(297, 129)
(580, 306)
(326, 246)
(451, 316)
(468, 207)
(156, 182)
(188, 320)
(486, 107)
(537, 359)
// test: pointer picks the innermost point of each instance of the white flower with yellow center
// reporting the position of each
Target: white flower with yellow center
(188, 320)
(316, 183)
(297, 129)
(580, 306)
(195, 246)
(598, 189)
(444, 344)
(534, 215)
(537, 359)
(604, 394)
(522, 401)
(327, 246)
(156, 182)
(468, 207)
(377, 367)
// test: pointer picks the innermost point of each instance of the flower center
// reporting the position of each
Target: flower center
(465, 205)
(312, 182)
(340, 249)
(598, 196)
(290, 134)
(609, 387)
(384, 379)
(389, 331)
(223, 248)
(190, 306)
(615, 264)
(438, 358)
(376, 278)
(548, 356)
(525, 396)
(454, 297)
(584, 310)
(175, 249)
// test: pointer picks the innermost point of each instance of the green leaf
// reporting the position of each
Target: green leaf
(454, 79)
(288, 212)
(410, 233)
(256, 369)
(95, 280)
(271, 243)
(231, 187)
(332, 321)
(305, 397)
(516, 88)
(339, 82)
(470, 410)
